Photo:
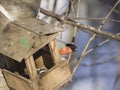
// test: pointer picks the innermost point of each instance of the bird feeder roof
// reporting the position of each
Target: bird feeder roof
(22, 38)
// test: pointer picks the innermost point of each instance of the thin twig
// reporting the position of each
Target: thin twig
(96, 19)
(100, 44)
(108, 6)
(75, 29)
(68, 9)
(73, 11)
(93, 64)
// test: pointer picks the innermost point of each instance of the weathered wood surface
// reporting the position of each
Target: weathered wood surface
(57, 76)
(40, 43)
(54, 51)
(15, 42)
(17, 82)
(11, 10)
(39, 62)
(30, 64)
(49, 81)
(18, 9)
(3, 21)
(37, 26)
(18, 42)
(3, 84)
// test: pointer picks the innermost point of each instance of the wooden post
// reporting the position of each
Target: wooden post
(54, 51)
(30, 64)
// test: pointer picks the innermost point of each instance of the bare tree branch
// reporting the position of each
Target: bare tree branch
(83, 27)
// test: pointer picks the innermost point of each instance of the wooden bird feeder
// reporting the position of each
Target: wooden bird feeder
(32, 57)
(29, 48)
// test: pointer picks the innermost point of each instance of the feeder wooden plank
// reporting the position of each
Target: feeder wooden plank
(39, 62)
(18, 43)
(3, 21)
(57, 76)
(15, 42)
(18, 9)
(30, 63)
(17, 82)
(41, 42)
(54, 51)
(37, 26)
